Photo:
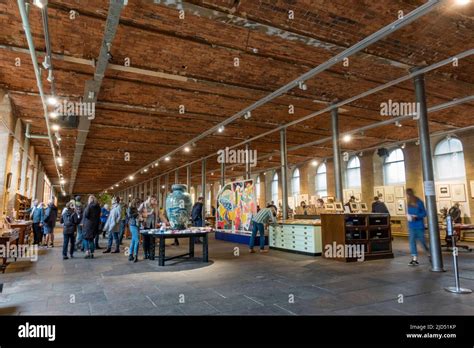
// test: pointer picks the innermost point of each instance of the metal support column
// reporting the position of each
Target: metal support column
(176, 176)
(284, 174)
(158, 193)
(336, 154)
(203, 190)
(188, 178)
(222, 174)
(428, 176)
(247, 161)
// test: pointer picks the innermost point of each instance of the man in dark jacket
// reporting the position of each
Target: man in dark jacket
(49, 222)
(196, 215)
(37, 215)
(70, 219)
(379, 206)
(90, 225)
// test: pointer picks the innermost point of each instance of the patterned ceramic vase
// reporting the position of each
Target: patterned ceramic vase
(178, 207)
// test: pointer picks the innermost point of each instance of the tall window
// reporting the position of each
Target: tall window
(394, 168)
(295, 184)
(353, 173)
(275, 189)
(449, 159)
(321, 181)
(257, 188)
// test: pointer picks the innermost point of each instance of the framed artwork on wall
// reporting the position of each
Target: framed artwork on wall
(458, 193)
(443, 191)
(358, 196)
(401, 210)
(399, 191)
(363, 207)
(391, 208)
(389, 198)
(379, 192)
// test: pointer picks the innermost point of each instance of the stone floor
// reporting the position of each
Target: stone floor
(276, 283)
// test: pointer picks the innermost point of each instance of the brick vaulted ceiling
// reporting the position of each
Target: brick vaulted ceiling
(139, 114)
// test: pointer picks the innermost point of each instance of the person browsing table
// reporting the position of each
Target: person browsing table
(264, 216)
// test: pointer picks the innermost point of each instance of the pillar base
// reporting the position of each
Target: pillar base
(456, 290)
(437, 270)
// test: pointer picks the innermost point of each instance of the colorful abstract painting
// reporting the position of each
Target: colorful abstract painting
(236, 205)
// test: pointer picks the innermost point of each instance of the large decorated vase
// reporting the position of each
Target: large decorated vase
(178, 207)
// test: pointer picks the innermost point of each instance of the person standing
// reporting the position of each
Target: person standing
(90, 225)
(264, 216)
(196, 216)
(49, 222)
(147, 214)
(379, 207)
(37, 215)
(78, 209)
(416, 225)
(104, 215)
(455, 213)
(123, 221)
(112, 226)
(133, 222)
(70, 219)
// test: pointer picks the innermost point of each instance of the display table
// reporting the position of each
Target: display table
(24, 229)
(191, 233)
(297, 236)
(8, 238)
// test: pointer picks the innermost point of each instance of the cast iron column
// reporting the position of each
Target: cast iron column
(176, 177)
(203, 190)
(222, 174)
(247, 162)
(428, 177)
(336, 154)
(188, 178)
(158, 192)
(284, 173)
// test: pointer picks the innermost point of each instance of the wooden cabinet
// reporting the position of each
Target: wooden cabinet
(370, 233)
(297, 238)
(21, 204)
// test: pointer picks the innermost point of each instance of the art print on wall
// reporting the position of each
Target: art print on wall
(443, 191)
(458, 193)
(389, 198)
(401, 210)
(399, 191)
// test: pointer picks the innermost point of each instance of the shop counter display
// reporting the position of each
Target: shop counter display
(297, 236)
(24, 229)
(163, 234)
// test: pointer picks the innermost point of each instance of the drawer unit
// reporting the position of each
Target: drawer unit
(356, 234)
(379, 233)
(355, 220)
(296, 238)
(378, 220)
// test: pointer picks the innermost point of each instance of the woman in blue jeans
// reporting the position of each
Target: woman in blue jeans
(133, 223)
(416, 225)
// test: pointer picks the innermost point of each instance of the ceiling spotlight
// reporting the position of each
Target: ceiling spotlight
(417, 142)
(60, 160)
(130, 195)
(64, 194)
(162, 186)
(40, 3)
(403, 145)
(302, 86)
(55, 127)
(247, 115)
(116, 185)
(52, 100)
(112, 188)
(212, 173)
(398, 124)
(62, 181)
(346, 138)
(50, 77)
(448, 137)
(187, 149)
(220, 129)
(131, 177)
(53, 114)
(167, 158)
(314, 163)
(462, 2)
(58, 136)
(145, 170)
(46, 63)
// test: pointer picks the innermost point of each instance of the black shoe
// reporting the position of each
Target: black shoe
(106, 251)
(130, 257)
(82, 249)
(92, 256)
(98, 247)
(135, 259)
(65, 258)
(413, 263)
(71, 256)
(115, 251)
(146, 257)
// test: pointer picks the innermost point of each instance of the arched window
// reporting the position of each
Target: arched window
(257, 188)
(449, 159)
(275, 189)
(295, 183)
(321, 181)
(394, 168)
(353, 173)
